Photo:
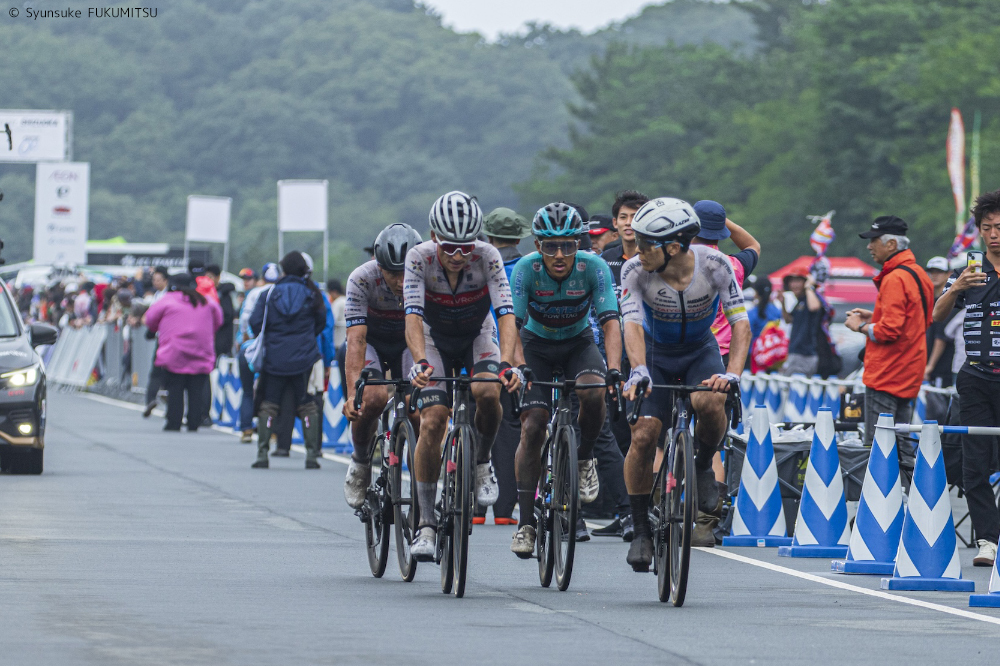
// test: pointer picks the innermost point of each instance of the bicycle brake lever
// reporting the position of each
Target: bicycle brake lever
(640, 395)
(414, 397)
(359, 388)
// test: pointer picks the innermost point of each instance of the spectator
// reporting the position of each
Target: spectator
(504, 229)
(269, 275)
(977, 289)
(627, 204)
(940, 348)
(896, 349)
(805, 317)
(296, 314)
(249, 278)
(160, 281)
(602, 232)
(205, 284)
(224, 290)
(764, 310)
(186, 323)
(335, 292)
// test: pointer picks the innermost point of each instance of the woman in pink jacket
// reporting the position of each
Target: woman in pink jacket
(187, 323)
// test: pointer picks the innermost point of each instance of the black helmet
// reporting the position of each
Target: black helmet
(392, 244)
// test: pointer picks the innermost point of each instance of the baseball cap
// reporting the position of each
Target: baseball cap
(886, 224)
(937, 264)
(247, 274)
(600, 224)
(713, 220)
(505, 223)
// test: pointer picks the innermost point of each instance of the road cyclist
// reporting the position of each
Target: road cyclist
(670, 294)
(376, 342)
(451, 282)
(553, 291)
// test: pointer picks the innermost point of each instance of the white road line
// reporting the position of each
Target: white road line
(840, 585)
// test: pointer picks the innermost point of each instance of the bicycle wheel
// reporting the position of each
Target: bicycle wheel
(681, 502)
(465, 447)
(404, 504)
(565, 503)
(376, 511)
(543, 516)
(445, 552)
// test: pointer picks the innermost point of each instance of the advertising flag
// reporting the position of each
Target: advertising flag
(956, 166)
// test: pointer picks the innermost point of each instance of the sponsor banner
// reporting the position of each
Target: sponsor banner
(302, 205)
(35, 136)
(208, 219)
(62, 200)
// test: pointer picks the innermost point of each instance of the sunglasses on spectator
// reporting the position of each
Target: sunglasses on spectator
(451, 249)
(551, 248)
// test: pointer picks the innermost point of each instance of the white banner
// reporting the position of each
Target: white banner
(302, 205)
(208, 219)
(35, 136)
(62, 200)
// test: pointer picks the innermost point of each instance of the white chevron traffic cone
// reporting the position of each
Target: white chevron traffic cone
(928, 551)
(759, 518)
(879, 522)
(992, 599)
(821, 528)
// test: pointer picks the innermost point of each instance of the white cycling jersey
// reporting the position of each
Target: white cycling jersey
(672, 317)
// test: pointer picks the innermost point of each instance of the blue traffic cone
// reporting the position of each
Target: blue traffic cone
(928, 551)
(821, 528)
(795, 405)
(991, 600)
(759, 518)
(879, 522)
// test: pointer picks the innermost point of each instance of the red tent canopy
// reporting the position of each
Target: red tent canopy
(850, 279)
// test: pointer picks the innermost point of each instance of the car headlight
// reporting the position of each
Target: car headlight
(23, 377)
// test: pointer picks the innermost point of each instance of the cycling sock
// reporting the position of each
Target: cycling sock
(585, 451)
(703, 459)
(526, 502)
(640, 512)
(426, 493)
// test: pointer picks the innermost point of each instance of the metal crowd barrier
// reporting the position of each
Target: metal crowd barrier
(799, 398)
(75, 355)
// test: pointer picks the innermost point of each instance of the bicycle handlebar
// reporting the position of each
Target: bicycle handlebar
(640, 394)
(366, 380)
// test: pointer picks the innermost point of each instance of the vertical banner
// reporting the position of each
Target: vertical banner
(956, 166)
(974, 161)
(62, 201)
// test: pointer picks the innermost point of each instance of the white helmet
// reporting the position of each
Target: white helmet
(668, 220)
(456, 217)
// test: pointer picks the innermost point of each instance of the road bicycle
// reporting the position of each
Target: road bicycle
(558, 500)
(457, 482)
(674, 497)
(390, 500)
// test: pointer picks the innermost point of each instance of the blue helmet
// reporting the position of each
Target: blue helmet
(557, 219)
(271, 272)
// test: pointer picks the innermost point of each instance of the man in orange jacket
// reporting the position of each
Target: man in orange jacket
(896, 349)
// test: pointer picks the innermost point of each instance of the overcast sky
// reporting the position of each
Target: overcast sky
(491, 17)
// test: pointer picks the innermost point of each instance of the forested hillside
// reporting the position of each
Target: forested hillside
(226, 97)
(844, 105)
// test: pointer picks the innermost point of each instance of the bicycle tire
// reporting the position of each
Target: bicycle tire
(546, 556)
(565, 505)
(465, 487)
(682, 501)
(445, 550)
(376, 511)
(405, 511)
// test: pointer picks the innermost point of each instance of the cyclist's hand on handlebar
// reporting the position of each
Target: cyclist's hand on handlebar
(613, 379)
(511, 377)
(350, 413)
(721, 383)
(631, 386)
(420, 373)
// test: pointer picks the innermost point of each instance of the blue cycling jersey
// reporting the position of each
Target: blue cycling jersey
(560, 309)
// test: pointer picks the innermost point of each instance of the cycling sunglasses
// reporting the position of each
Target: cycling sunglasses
(645, 244)
(551, 248)
(451, 249)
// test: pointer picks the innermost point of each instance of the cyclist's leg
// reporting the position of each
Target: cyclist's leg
(710, 427)
(434, 411)
(375, 398)
(535, 416)
(483, 361)
(585, 363)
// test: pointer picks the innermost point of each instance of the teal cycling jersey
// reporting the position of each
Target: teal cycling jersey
(560, 309)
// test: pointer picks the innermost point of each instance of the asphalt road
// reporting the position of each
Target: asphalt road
(142, 547)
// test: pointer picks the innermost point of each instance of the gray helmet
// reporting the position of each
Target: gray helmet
(392, 244)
